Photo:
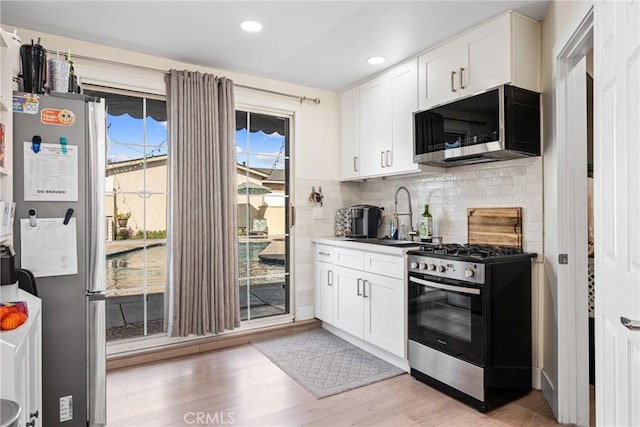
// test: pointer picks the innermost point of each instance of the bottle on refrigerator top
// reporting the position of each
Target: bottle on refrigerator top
(426, 225)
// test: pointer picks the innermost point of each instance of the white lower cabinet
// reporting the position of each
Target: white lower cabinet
(366, 304)
(347, 300)
(383, 316)
(21, 367)
(324, 291)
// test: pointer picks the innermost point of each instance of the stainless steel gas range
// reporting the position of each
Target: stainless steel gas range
(470, 321)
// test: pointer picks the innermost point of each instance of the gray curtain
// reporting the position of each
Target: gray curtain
(203, 240)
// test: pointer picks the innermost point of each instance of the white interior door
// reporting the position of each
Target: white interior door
(617, 211)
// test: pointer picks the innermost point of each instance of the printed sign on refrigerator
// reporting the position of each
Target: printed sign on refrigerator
(50, 175)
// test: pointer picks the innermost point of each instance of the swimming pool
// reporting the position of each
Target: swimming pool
(125, 271)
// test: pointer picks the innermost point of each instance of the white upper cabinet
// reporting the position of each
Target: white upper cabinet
(7, 53)
(377, 125)
(404, 101)
(504, 50)
(438, 78)
(350, 133)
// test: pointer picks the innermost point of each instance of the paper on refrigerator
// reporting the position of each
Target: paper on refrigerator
(50, 175)
(49, 248)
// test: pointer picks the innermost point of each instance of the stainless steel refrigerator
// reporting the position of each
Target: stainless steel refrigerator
(73, 306)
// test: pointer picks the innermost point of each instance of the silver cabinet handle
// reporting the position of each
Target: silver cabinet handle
(382, 162)
(358, 291)
(324, 253)
(388, 157)
(462, 86)
(330, 278)
(364, 289)
(355, 163)
(453, 78)
(633, 325)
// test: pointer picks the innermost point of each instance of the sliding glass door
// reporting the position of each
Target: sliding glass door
(262, 143)
(136, 213)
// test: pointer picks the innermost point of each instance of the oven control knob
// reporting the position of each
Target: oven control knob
(441, 269)
(432, 267)
(468, 272)
(422, 266)
(414, 265)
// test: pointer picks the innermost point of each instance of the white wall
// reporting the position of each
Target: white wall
(316, 149)
(560, 22)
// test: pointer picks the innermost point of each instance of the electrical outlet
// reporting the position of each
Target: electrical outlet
(317, 213)
(66, 408)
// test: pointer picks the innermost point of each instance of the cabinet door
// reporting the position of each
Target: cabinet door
(347, 301)
(350, 133)
(404, 101)
(438, 79)
(488, 57)
(35, 371)
(324, 291)
(384, 320)
(375, 126)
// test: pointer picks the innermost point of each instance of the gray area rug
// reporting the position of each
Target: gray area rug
(325, 364)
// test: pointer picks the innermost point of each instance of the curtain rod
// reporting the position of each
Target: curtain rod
(302, 99)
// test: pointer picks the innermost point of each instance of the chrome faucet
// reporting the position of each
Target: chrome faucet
(409, 214)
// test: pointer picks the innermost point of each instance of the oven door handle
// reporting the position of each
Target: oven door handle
(461, 289)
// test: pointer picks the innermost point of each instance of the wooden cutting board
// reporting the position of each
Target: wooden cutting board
(495, 226)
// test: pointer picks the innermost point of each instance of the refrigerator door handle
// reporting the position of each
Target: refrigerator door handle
(97, 369)
(96, 144)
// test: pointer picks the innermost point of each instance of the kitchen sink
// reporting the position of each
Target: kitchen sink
(385, 242)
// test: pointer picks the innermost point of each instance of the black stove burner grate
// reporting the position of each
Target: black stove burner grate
(474, 251)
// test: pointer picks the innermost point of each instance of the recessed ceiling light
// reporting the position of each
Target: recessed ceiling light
(251, 26)
(376, 59)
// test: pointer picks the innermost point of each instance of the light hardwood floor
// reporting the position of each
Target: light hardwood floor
(242, 386)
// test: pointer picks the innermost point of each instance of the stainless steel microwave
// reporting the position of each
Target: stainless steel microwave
(499, 124)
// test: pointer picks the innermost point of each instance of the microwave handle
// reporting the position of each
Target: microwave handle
(461, 289)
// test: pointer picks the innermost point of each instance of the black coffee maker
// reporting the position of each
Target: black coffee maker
(365, 220)
(34, 67)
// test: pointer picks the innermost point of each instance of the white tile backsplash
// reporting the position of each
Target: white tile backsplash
(498, 184)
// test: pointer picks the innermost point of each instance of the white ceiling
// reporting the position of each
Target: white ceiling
(321, 44)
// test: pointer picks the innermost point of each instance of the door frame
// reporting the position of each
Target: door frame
(572, 286)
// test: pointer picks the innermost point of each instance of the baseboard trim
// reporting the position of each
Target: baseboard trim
(549, 393)
(202, 345)
(305, 312)
(536, 381)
